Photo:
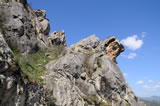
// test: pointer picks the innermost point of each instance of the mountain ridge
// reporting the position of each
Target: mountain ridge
(151, 101)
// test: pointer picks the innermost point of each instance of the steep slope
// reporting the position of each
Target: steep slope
(36, 69)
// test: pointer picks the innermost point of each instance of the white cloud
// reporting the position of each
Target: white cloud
(140, 82)
(131, 55)
(144, 34)
(150, 81)
(146, 86)
(132, 42)
(151, 88)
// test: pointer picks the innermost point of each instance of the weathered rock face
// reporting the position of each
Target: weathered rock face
(24, 29)
(44, 23)
(85, 75)
(88, 72)
(110, 46)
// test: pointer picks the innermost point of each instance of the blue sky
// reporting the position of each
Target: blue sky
(136, 23)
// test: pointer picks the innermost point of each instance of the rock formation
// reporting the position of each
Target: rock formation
(57, 38)
(112, 47)
(37, 69)
(28, 27)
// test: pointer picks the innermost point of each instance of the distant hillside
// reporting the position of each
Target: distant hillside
(151, 101)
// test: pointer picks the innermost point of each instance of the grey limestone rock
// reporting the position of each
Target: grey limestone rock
(100, 80)
(24, 28)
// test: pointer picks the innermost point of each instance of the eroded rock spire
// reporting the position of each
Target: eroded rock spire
(111, 46)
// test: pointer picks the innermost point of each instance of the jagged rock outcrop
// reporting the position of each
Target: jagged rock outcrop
(84, 74)
(112, 47)
(86, 45)
(44, 23)
(88, 72)
(57, 39)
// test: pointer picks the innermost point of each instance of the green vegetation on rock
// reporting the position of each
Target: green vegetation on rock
(33, 65)
(53, 102)
(127, 104)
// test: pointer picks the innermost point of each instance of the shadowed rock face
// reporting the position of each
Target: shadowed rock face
(85, 75)
(11, 83)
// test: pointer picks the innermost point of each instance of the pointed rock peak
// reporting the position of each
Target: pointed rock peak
(112, 47)
(86, 45)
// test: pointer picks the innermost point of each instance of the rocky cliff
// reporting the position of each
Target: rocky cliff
(37, 69)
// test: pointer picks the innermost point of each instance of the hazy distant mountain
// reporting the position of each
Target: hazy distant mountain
(151, 101)
(152, 98)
